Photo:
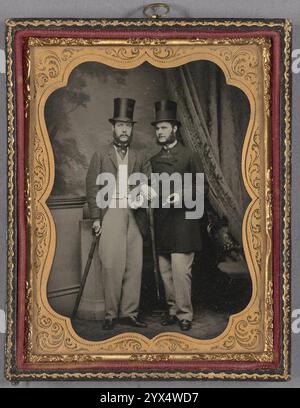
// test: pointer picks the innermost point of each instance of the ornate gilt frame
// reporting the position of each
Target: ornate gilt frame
(50, 348)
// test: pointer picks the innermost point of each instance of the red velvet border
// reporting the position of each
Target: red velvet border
(21, 136)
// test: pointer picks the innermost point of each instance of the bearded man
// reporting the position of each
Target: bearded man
(121, 227)
(178, 237)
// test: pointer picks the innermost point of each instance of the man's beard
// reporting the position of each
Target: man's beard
(171, 139)
(119, 142)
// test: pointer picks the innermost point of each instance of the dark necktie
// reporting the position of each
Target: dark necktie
(166, 151)
(122, 150)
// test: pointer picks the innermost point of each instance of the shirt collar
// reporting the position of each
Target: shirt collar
(170, 146)
(118, 147)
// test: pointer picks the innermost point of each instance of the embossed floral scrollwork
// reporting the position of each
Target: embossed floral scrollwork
(232, 357)
(256, 238)
(165, 53)
(28, 197)
(267, 78)
(40, 224)
(226, 55)
(52, 334)
(269, 212)
(246, 334)
(254, 163)
(146, 41)
(150, 357)
(269, 321)
(40, 233)
(53, 340)
(27, 96)
(48, 67)
(124, 53)
(68, 53)
(127, 345)
(28, 321)
(63, 358)
(40, 170)
(244, 64)
(175, 345)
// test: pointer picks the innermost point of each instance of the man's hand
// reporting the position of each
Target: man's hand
(97, 227)
(172, 199)
(149, 193)
(137, 203)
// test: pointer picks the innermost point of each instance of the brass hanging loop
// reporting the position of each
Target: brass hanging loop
(156, 10)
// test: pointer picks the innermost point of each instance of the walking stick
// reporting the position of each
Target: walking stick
(85, 274)
(155, 261)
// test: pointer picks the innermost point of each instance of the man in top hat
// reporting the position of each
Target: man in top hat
(177, 238)
(121, 228)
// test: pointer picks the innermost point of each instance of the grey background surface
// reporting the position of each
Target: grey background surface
(187, 9)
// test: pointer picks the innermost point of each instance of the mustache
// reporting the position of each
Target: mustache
(128, 134)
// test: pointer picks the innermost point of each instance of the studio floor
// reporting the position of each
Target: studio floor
(207, 324)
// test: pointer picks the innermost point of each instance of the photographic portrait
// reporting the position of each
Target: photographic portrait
(187, 278)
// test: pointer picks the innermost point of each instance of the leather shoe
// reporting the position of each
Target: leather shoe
(108, 324)
(185, 325)
(133, 321)
(169, 320)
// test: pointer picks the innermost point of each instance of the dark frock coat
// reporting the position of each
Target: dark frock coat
(174, 233)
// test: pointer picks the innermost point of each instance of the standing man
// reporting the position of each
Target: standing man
(121, 228)
(178, 238)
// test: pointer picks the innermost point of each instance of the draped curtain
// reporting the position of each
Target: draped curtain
(214, 119)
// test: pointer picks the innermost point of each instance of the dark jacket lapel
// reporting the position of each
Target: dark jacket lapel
(113, 155)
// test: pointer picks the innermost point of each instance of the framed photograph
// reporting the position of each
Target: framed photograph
(111, 279)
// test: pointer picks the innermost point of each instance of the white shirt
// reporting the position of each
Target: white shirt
(121, 196)
(170, 146)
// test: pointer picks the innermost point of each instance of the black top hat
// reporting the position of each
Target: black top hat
(123, 110)
(165, 111)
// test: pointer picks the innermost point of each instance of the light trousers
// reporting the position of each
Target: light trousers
(176, 273)
(121, 256)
